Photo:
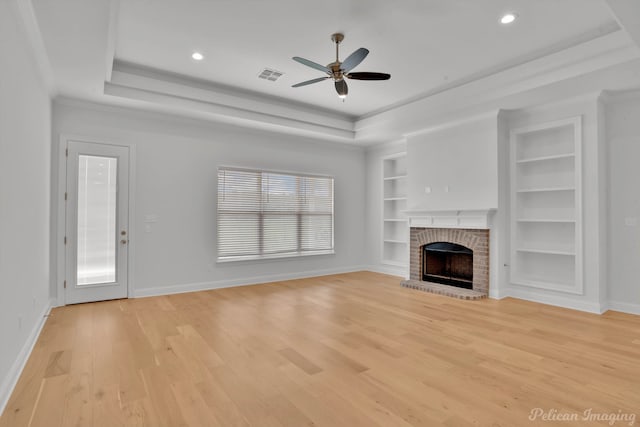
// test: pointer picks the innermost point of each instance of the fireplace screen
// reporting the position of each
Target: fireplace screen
(447, 263)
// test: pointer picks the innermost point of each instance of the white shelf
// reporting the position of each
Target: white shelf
(393, 199)
(545, 251)
(568, 221)
(402, 242)
(545, 190)
(547, 158)
(395, 220)
(392, 178)
(546, 206)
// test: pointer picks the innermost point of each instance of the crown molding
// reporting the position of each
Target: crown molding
(30, 25)
(612, 96)
(400, 144)
(627, 14)
(491, 114)
(114, 8)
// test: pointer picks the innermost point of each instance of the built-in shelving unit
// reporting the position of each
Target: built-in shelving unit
(395, 225)
(546, 206)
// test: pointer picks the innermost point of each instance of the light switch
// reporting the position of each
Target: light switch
(151, 218)
(631, 221)
(147, 228)
(427, 190)
(446, 188)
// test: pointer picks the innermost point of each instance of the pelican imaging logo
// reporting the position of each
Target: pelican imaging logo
(588, 415)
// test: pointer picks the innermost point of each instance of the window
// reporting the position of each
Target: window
(271, 214)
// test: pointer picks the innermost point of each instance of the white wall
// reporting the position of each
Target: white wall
(500, 233)
(458, 162)
(176, 163)
(623, 138)
(25, 113)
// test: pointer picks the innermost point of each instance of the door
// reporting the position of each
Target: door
(97, 212)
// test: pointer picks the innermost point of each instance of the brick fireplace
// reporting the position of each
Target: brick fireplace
(475, 240)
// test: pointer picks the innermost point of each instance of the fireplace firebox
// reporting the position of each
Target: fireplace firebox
(447, 263)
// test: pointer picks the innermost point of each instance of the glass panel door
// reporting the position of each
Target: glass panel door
(97, 204)
(97, 210)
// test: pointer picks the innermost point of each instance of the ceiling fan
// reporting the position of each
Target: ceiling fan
(339, 70)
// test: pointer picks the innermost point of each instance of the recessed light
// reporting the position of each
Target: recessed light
(508, 18)
(197, 56)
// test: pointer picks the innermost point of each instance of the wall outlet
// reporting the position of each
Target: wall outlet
(631, 221)
(427, 190)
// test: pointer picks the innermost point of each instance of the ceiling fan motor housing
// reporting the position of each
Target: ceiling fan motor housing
(336, 71)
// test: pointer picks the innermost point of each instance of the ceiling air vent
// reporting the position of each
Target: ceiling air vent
(269, 74)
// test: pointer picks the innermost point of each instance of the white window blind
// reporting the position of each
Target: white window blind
(270, 214)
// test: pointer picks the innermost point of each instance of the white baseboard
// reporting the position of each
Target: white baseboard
(219, 284)
(10, 381)
(392, 270)
(556, 300)
(624, 307)
(497, 293)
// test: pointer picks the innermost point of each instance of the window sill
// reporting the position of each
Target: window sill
(222, 260)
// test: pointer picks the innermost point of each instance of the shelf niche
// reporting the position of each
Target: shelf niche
(395, 226)
(546, 206)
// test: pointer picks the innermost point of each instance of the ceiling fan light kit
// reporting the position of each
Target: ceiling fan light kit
(338, 71)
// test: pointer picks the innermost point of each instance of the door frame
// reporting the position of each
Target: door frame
(61, 208)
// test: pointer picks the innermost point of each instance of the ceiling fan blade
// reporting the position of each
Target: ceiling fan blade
(354, 59)
(342, 88)
(310, 82)
(368, 76)
(312, 64)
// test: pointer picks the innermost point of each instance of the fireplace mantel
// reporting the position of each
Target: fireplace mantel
(476, 218)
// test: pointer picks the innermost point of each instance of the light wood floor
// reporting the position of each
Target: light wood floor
(345, 350)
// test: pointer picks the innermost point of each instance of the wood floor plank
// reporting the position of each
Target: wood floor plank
(223, 408)
(341, 350)
(78, 408)
(165, 405)
(106, 408)
(59, 364)
(49, 408)
(300, 361)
